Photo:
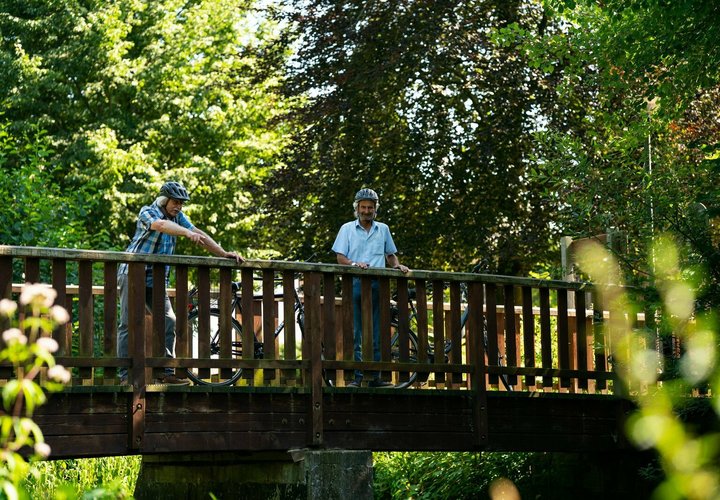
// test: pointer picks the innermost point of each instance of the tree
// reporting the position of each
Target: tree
(134, 92)
(416, 100)
(643, 154)
(34, 210)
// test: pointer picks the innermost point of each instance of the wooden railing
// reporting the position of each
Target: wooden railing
(543, 345)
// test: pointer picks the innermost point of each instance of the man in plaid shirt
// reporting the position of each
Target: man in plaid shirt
(157, 229)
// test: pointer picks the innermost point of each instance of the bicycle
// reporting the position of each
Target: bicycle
(214, 377)
(413, 341)
(258, 348)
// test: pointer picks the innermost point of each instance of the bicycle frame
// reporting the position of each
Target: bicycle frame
(236, 310)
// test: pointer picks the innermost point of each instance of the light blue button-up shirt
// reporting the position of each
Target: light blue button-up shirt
(359, 245)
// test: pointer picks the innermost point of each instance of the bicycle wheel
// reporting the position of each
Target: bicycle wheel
(410, 377)
(214, 375)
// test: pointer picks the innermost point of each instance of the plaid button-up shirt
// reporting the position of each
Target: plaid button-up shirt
(147, 240)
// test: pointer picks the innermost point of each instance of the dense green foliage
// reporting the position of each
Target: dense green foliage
(134, 92)
(643, 155)
(534, 475)
(417, 100)
(489, 128)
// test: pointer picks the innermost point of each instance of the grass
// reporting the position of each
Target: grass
(87, 478)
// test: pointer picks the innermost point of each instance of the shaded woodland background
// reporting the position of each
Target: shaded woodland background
(489, 128)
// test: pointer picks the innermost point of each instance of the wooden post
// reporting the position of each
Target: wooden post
(86, 317)
(476, 358)
(329, 320)
(528, 325)
(136, 342)
(563, 335)
(314, 331)
(581, 332)
(545, 336)
(289, 317)
(268, 320)
(438, 329)
(248, 320)
(510, 337)
(492, 333)
(385, 333)
(6, 274)
(156, 342)
(367, 317)
(348, 321)
(109, 316)
(183, 337)
(455, 329)
(225, 319)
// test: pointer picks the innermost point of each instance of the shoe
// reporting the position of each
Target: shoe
(171, 379)
(380, 383)
(354, 383)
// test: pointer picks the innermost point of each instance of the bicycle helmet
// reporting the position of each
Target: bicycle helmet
(174, 190)
(366, 194)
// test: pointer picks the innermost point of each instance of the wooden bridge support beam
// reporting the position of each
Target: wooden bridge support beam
(298, 474)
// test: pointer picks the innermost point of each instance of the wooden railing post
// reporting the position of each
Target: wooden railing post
(329, 320)
(156, 347)
(288, 280)
(182, 344)
(511, 349)
(268, 319)
(528, 322)
(314, 333)
(599, 352)
(136, 340)
(348, 344)
(582, 341)
(225, 320)
(247, 320)
(86, 316)
(403, 324)
(367, 317)
(476, 358)
(109, 316)
(439, 329)
(6, 274)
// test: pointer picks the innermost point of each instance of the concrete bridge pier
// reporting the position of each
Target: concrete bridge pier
(297, 474)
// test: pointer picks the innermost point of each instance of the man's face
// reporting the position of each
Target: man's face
(366, 210)
(174, 207)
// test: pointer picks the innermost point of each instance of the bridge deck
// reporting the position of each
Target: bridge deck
(97, 421)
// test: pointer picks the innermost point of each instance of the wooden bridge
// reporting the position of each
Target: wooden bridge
(540, 380)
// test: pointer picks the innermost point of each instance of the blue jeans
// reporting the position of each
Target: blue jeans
(122, 333)
(357, 323)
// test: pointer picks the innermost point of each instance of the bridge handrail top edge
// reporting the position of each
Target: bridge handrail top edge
(281, 265)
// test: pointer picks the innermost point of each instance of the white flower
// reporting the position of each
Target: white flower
(59, 374)
(7, 307)
(14, 335)
(42, 449)
(39, 294)
(47, 344)
(59, 315)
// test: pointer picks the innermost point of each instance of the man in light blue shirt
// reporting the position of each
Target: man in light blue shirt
(365, 243)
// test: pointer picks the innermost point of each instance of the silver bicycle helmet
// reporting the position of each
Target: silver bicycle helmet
(174, 190)
(366, 194)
